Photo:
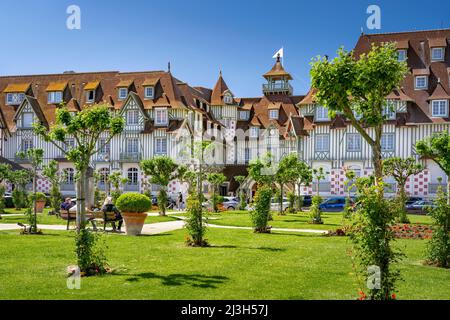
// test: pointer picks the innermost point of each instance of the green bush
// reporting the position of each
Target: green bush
(194, 222)
(438, 250)
(39, 196)
(19, 198)
(133, 203)
(2, 199)
(261, 213)
(315, 211)
(291, 199)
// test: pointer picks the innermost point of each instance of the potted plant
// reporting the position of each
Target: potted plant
(41, 200)
(133, 207)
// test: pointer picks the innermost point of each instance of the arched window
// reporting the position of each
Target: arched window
(103, 176)
(133, 176)
(69, 175)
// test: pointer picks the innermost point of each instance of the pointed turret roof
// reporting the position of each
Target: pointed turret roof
(218, 91)
(278, 71)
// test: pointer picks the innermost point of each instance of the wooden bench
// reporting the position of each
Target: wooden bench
(68, 216)
(105, 218)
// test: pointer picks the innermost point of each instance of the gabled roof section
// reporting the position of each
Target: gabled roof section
(219, 89)
(125, 83)
(399, 94)
(73, 105)
(437, 42)
(150, 82)
(138, 101)
(17, 88)
(309, 99)
(92, 85)
(36, 108)
(439, 93)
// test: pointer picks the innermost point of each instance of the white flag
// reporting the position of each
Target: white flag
(280, 52)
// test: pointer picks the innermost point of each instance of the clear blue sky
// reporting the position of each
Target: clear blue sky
(199, 37)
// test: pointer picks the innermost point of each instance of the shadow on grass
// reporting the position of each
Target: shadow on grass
(268, 249)
(177, 279)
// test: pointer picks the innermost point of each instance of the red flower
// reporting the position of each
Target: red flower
(394, 296)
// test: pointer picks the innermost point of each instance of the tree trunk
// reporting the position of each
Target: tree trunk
(34, 226)
(281, 197)
(448, 190)
(81, 200)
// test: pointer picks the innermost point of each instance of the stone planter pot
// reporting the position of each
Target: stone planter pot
(40, 205)
(134, 222)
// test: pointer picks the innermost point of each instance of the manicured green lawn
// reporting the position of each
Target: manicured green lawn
(332, 220)
(239, 265)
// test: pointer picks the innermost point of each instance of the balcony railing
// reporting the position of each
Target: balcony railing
(275, 87)
(433, 187)
(131, 157)
(131, 188)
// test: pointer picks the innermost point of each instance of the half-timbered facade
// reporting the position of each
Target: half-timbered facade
(166, 116)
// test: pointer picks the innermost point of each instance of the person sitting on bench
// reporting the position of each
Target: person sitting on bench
(71, 208)
(108, 206)
(67, 204)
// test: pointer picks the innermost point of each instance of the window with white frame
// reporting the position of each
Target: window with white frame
(103, 176)
(132, 146)
(254, 132)
(353, 142)
(104, 146)
(322, 113)
(388, 142)
(161, 146)
(439, 108)
(27, 144)
(69, 176)
(161, 117)
(244, 115)
(402, 55)
(69, 144)
(389, 112)
(421, 82)
(14, 98)
(90, 96)
(149, 92)
(273, 114)
(133, 176)
(437, 54)
(27, 119)
(228, 99)
(322, 143)
(123, 93)
(54, 97)
(132, 117)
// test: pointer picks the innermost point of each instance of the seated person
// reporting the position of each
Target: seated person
(108, 206)
(67, 204)
(73, 209)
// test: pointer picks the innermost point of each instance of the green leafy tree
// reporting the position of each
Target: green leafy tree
(5, 172)
(303, 178)
(19, 179)
(401, 169)
(287, 173)
(161, 171)
(116, 181)
(357, 88)
(53, 175)
(242, 197)
(36, 158)
(437, 148)
(216, 180)
(350, 176)
(86, 128)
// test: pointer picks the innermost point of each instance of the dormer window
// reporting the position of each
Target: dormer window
(402, 55)
(55, 97)
(322, 114)
(123, 93)
(161, 117)
(421, 82)
(273, 114)
(90, 96)
(13, 99)
(439, 108)
(437, 54)
(149, 92)
(228, 99)
(244, 115)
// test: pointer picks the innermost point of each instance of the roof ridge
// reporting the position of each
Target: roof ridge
(406, 32)
(80, 73)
